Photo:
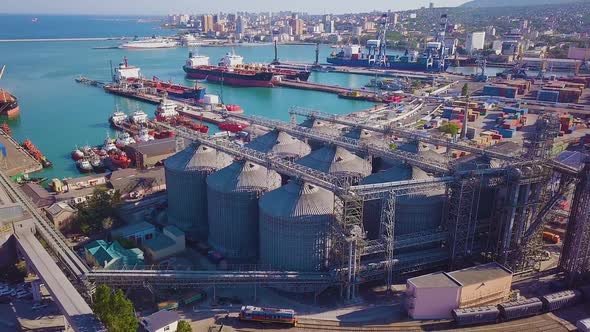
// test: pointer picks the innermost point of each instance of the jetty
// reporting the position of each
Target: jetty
(17, 159)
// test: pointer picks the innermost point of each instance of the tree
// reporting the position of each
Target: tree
(114, 310)
(184, 326)
(107, 223)
(450, 128)
(465, 90)
(92, 212)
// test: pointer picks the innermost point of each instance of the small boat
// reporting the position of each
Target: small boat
(97, 164)
(232, 108)
(144, 135)
(108, 144)
(6, 129)
(117, 118)
(77, 154)
(139, 117)
(34, 151)
(84, 166)
(232, 126)
(124, 139)
(119, 159)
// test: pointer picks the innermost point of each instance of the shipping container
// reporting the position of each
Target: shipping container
(479, 315)
(583, 325)
(520, 309)
(506, 133)
(2, 151)
(561, 299)
(168, 305)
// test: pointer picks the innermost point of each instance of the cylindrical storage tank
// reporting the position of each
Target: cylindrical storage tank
(186, 173)
(280, 144)
(413, 213)
(338, 162)
(232, 198)
(294, 227)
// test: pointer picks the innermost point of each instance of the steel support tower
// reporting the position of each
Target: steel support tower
(575, 256)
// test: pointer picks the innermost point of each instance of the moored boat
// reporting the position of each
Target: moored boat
(8, 104)
(84, 166)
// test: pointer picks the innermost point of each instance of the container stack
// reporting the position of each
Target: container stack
(567, 124)
(511, 120)
(500, 90)
(561, 92)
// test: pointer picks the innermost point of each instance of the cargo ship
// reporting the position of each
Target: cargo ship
(232, 70)
(428, 60)
(126, 74)
(8, 104)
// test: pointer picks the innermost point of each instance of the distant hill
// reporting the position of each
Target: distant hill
(514, 3)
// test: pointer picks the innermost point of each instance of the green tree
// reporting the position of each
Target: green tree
(465, 90)
(114, 310)
(92, 212)
(184, 326)
(107, 223)
(450, 128)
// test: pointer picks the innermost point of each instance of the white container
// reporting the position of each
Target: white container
(211, 99)
(583, 325)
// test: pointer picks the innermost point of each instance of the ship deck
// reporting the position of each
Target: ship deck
(17, 159)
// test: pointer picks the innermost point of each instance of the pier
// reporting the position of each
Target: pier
(31, 40)
(311, 86)
(17, 160)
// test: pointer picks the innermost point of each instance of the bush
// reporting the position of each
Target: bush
(114, 310)
(184, 326)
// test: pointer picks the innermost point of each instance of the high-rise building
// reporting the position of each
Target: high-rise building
(207, 23)
(393, 18)
(475, 41)
(297, 25)
(330, 26)
(240, 25)
(431, 5)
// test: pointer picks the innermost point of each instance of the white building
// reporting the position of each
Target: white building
(497, 46)
(161, 321)
(475, 41)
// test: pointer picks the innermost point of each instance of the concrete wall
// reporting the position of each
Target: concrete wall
(431, 303)
(490, 292)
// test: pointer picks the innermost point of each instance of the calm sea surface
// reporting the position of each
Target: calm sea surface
(57, 113)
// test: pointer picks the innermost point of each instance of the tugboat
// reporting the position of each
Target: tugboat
(8, 103)
(77, 154)
(108, 144)
(232, 126)
(139, 117)
(166, 111)
(119, 158)
(84, 166)
(144, 135)
(97, 164)
(117, 118)
(235, 109)
(123, 140)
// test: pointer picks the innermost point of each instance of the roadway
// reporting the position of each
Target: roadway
(72, 305)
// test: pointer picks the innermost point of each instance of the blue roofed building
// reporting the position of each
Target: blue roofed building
(169, 242)
(137, 232)
(112, 256)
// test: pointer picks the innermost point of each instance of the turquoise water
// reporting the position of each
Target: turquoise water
(57, 113)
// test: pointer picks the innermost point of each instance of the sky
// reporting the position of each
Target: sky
(160, 7)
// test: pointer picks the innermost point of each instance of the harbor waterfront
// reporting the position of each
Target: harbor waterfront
(57, 113)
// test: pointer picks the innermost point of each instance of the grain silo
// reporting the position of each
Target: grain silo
(323, 128)
(232, 196)
(413, 213)
(280, 144)
(338, 162)
(294, 227)
(186, 172)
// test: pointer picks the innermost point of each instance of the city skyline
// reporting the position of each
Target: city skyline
(153, 7)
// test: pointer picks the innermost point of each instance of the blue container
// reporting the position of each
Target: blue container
(3, 150)
(549, 96)
(507, 133)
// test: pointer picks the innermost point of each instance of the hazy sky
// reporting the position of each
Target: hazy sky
(159, 7)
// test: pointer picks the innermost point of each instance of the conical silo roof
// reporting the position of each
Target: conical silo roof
(297, 199)
(337, 161)
(321, 126)
(244, 176)
(281, 144)
(359, 134)
(197, 157)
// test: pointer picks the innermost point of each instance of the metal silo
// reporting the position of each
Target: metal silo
(186, 172)
(232, 198)
(294, 227)
(413, 213)
(280, 144)
(338, 162)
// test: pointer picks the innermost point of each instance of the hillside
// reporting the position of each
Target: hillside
(514, 3)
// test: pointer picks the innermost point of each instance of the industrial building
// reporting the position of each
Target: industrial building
(475, 41)
(112, 256)
(169, 242)
(435, 295)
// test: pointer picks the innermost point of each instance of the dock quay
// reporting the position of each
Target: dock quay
(17, 160)
(311, 86)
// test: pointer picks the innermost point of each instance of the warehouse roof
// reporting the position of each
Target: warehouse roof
(480, 273)
(434, 280)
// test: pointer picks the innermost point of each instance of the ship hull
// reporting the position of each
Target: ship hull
(8, 105)
(364, 63)
(259, 79)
